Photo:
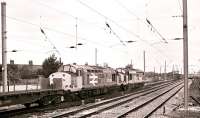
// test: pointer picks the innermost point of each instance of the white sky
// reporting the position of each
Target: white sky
(57, 18)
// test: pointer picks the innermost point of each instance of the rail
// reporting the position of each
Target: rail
(137, 95)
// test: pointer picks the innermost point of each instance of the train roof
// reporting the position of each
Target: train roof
(98, 68)
(88, 67)
(130, 70)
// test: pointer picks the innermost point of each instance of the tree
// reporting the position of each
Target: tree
(27, 73)
(39, 72)
(13, 72)
(50, 65)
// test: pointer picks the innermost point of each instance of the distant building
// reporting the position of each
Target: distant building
(29, 66)
(12, 62)
(21, 71)
(30, 62)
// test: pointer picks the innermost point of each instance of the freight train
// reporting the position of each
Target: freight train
(72, 77)
(84, 82)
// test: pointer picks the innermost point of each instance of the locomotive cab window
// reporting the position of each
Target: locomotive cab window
(69, 69)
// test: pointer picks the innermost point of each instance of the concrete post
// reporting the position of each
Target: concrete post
(4, 53)
(185, 53)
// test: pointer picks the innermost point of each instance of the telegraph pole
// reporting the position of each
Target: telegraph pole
(76, 32)
(160, 72)
(144, 64)
(96, 56)
(185, 53)
(154, 73)
(173, 71)
(165, 77)
(4, 53)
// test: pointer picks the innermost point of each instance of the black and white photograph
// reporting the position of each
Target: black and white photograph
(100, 59)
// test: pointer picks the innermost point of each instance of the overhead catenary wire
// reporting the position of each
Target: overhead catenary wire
(55, 9)
(58, 31)
(41, 30)
(76, 18)
(111, 31)
(26, 42)
(129, 11)
(68, 14)
(107, 18)
(28, 22)
(114, 22)
(36, 25)
(179, 3)
(120, 26)
(55, 30)
(52, 44)
(80, 19)
(44, 27)
(65, 13)
(148, 22)
(121, 41)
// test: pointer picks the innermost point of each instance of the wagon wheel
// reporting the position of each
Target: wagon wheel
(58, 99)
(46, 100)
(27, 105)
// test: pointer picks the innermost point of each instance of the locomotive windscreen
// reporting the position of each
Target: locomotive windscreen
(68, 68)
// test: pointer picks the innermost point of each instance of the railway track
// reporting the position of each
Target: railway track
(99, 108)
(86, 107)
(147, 107)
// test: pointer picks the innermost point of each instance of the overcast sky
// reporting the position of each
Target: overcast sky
(126, 20)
